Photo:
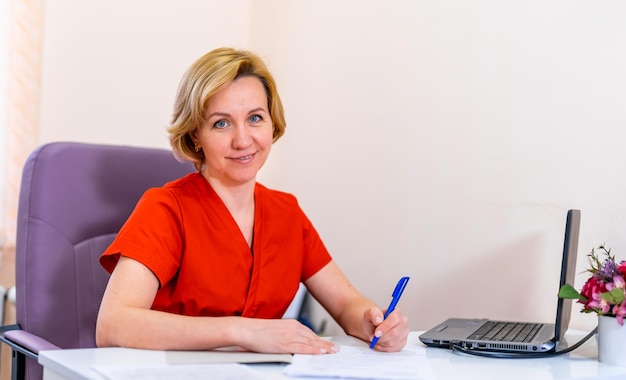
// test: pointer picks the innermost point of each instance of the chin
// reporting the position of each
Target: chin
(244, 179)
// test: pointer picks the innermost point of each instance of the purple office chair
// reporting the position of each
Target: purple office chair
(74, 198)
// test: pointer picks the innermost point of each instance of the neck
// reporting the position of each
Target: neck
(235, 197)
(239, 200)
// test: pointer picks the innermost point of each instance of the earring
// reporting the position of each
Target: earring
(197, 147)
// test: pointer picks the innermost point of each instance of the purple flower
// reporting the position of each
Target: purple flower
(607, 271)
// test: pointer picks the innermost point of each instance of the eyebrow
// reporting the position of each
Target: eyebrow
(220, 114)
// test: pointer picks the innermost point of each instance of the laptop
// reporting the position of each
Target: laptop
(518, 337)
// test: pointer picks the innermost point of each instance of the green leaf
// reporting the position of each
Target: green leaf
(567, 291)
(614, 297)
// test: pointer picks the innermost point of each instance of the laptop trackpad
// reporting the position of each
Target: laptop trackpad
(460, 324)
(454, 328)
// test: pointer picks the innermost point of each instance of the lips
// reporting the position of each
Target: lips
(243, 158)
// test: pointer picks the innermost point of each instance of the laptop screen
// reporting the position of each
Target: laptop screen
(568, 272)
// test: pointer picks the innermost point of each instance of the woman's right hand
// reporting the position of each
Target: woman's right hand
(282, 336)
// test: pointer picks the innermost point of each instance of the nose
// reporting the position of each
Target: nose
(242, 137)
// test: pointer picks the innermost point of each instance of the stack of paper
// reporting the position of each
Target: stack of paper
(361, 363)
(225, 371)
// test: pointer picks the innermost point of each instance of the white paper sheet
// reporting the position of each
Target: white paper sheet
(361, 363)
(228, 371)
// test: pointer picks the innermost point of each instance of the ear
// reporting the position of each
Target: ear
(194, 136)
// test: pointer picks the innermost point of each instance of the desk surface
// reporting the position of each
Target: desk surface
(581, 363)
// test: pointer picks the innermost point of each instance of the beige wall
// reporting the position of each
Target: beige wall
(4, 90)
(443, 140)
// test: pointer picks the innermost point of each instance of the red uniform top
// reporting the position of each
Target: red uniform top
(186, 236)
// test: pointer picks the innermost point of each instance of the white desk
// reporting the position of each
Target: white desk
(579, 364)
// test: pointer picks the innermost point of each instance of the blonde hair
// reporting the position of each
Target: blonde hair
(207, 76)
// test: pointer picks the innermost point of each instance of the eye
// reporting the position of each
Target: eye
(220, 124)
(255, 118)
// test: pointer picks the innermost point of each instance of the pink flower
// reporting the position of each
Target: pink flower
(622, 268)
(620, 312)
(618, 283)
(592, 290)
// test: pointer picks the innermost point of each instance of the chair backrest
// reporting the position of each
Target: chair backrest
(74, 198)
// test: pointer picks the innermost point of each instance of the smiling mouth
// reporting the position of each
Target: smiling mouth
(243, 158)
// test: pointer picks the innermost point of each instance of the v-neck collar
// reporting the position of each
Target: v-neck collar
(229, 217)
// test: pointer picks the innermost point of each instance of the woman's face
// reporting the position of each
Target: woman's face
(237, 135)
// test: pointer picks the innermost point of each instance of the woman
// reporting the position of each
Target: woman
(214, 259)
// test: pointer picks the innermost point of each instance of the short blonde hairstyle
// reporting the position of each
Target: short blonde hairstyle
(206, 77)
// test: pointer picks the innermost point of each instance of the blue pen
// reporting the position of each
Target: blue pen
(395, 297)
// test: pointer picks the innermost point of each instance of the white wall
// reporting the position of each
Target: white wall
(443, 140)
(112, 67)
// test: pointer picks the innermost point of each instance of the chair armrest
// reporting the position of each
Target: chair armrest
(24, 342)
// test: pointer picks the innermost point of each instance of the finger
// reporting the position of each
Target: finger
(375, 316)
(395, 331)
(311, 350)
(315, 343)
(392, 340)
(316, 346)
(394, 319)
(382, 325)
(394, 345)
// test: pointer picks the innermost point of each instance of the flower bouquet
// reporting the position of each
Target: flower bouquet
(603, 293)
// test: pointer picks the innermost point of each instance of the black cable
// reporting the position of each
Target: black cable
(456, 347)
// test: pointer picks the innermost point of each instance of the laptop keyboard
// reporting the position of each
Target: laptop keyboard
(506, 331)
